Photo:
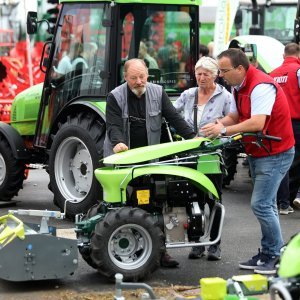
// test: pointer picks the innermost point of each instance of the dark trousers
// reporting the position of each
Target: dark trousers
(290, 184)
(283, 200)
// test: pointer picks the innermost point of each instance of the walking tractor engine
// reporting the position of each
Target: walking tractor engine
(155, 197)
(176, 205)
(183, 217)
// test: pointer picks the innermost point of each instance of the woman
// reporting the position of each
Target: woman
(207, 102)
(201, 105)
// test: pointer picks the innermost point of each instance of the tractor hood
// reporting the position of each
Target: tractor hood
(147, 153)
(25, 108)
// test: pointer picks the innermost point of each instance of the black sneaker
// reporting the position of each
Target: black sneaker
(214, 252)
(269, 267)
(197, 252)
(167, 261)
(257, 260)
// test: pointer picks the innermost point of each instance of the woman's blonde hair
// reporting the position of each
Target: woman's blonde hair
(209, 64)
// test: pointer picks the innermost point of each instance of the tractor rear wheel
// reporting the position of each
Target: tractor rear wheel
(75, 153)
(12, 172)
(127, 241)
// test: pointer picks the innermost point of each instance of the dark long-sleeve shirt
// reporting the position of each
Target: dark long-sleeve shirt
(137, 112)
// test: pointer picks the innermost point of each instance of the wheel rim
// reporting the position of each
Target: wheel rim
(2, 169)
(73, 169)
(130, 246)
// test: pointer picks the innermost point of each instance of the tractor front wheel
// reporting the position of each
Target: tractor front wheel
(12, 172)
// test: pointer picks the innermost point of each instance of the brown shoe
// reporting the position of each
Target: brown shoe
(167, 261)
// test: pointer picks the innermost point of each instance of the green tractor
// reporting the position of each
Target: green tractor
(61, 123)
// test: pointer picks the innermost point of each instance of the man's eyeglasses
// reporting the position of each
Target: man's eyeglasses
(225, 70)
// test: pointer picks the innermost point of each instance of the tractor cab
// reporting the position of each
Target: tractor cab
(92, 41)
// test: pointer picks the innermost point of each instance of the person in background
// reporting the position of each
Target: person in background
(86, 53)
(210, 47)
(167, 56)
(149, 60)
(203, 50)
(260, 105)
(134, 113)
(288, 77)
(65, 64)
(296, 201)
(201, 105)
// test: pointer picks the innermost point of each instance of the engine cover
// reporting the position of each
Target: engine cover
(180, 192)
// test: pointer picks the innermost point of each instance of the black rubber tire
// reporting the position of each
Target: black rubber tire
(134, 221)
(11, 172)
(87, 131)
(85, 250)
(230, 157)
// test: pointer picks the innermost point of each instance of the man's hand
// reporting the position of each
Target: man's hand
(212, 130)
(120, 147)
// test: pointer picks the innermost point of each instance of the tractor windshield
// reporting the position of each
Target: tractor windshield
(164, 37)
(81, 51)
(93, 41)
(279, 22)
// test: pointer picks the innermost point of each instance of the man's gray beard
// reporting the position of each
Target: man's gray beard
(137, 93)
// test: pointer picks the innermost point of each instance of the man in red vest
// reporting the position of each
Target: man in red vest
(260, 105)
(288, 77)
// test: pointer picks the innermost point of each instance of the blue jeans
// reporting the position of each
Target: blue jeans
(267, 173)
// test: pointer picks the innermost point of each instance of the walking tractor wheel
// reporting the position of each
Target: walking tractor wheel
(129, 246)
(127, 241)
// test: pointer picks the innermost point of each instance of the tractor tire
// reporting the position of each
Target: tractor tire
(127, 241)
(12, 172)
(85, 250)
(230, 157)
(74, 155)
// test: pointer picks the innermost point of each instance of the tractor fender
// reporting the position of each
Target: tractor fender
(115, 181)
(71, 108)
(92, 105)
(15, 141)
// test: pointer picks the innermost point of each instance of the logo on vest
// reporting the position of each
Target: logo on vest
(281, 79)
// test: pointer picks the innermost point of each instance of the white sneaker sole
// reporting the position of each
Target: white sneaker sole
(265, 272)
(245, 267)
(285, 212)
(296, 202)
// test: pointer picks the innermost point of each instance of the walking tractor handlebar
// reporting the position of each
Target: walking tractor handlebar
(226, 141)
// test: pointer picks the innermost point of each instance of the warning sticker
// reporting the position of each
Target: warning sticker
(143, 196)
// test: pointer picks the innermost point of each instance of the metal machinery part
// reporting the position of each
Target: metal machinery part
(183, 225)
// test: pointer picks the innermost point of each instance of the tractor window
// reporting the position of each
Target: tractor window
(279, 22)
(161, 36)
(79, 63)
(81, 49)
